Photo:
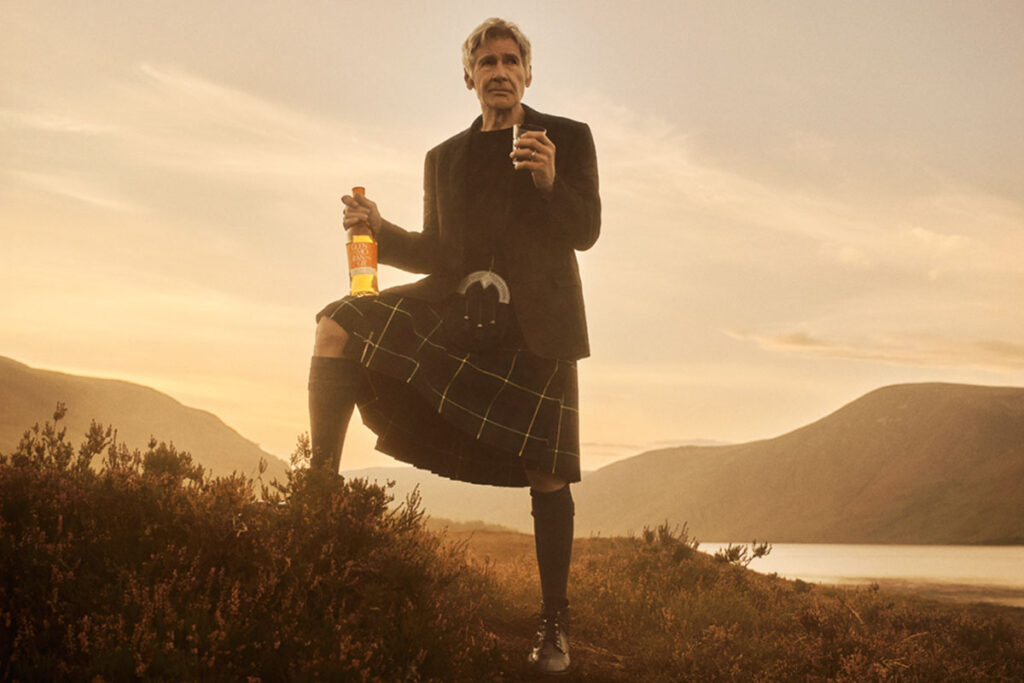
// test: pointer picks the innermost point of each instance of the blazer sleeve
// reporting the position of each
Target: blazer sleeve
(416, 252)
(573, 207)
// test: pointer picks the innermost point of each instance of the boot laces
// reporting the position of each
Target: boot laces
(552, 625)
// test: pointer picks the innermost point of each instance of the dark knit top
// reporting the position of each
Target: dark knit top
(490, 176)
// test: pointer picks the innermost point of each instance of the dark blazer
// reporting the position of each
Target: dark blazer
(538, 246)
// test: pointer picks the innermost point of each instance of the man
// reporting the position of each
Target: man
(499, 409)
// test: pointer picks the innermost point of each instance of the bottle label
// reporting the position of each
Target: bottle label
(362, 255)
(362, 265)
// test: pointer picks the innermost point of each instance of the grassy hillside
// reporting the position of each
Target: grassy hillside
(925, 463)
(147, 570)
(28, 395)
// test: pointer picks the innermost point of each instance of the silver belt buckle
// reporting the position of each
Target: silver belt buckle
(487, 278)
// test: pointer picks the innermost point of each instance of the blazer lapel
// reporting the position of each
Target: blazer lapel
(452, 164)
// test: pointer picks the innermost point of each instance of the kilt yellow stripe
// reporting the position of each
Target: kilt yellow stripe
(429, 335)
(384, 349)
(512, 367)
(444, 396)
(558, 433)
(526, 435)
(384, 332)
(537, 410)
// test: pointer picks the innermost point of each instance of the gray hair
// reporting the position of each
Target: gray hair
(494, 28)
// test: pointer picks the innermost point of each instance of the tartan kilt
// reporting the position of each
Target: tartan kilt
(481, 417)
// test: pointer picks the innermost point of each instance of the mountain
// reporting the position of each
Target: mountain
(28, 396)
(913, 463)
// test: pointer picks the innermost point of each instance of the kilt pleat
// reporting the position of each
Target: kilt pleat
(483, 417)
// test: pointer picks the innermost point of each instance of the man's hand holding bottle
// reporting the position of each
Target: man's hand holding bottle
(360, 212)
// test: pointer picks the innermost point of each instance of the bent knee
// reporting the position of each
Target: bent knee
(330, 338)
(544, 482)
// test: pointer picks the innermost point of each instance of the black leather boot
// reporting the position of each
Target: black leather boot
(550, 654)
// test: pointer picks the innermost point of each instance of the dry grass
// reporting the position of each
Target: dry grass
(145, 568)
(655, 609)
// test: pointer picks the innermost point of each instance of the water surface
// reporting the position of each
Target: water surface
(966, 573)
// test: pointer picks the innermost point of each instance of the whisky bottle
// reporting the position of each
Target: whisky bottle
(362, 257)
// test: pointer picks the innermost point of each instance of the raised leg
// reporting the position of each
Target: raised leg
(334, 383)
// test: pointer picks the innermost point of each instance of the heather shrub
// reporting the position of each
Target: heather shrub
(141, 566)
(688, 616)
(742, 555)
(121, 565)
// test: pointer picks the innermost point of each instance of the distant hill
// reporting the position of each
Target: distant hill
(455, 500)
(28, 396)
(913, 463)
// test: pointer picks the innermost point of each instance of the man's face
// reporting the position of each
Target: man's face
(499, 76)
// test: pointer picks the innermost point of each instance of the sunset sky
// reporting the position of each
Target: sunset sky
(803, 201)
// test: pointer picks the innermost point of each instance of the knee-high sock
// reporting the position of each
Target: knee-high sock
(552, 531)
(333, 385)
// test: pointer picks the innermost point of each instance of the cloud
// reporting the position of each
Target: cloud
(215, 169)
(653, 177)
(51, 122)
(899, 349)
(167, 130)
(214, 128)
(79, 189)
(930, 253)
(691, 247)
(222, 105)
(649, 167)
